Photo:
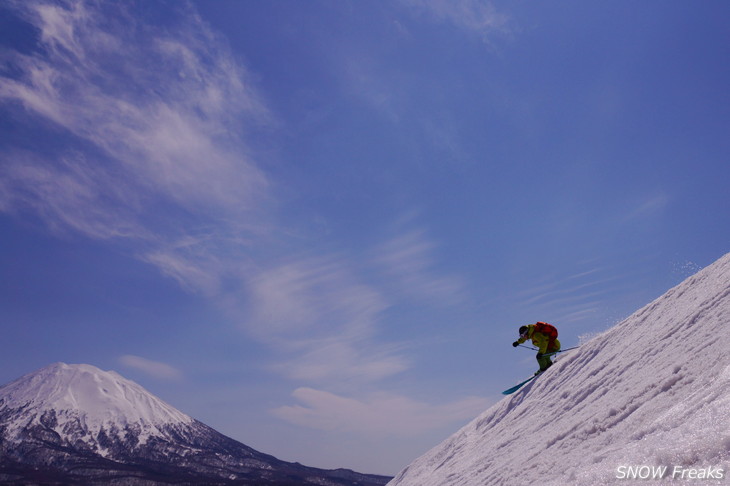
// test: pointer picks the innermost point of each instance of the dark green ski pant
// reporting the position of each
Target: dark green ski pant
(544, 361)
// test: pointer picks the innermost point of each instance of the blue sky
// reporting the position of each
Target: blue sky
(316, 226)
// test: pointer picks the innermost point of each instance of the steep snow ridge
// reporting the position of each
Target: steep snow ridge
(106, 401)
(652, 391)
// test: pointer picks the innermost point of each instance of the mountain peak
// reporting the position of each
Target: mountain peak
(77, 424)
(98, 399)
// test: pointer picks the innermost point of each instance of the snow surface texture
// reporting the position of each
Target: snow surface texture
(87, 396)
(652, 391)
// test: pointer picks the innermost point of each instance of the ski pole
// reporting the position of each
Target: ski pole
(548, 354)
(561, 351)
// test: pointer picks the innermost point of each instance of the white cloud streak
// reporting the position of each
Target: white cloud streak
(157, 156)
(327, 310)
(408, 259)
(579, 296)
(153, 111)
(294, 298)
(477, 17)
(69, 194)
(377, 415)
(650, 207)
(321, 311)
(154, 369)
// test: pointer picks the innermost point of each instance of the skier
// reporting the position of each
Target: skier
(545, 338)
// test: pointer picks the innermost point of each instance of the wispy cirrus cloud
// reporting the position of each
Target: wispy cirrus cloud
(152, 368)
(70, 194)
(311, 295)
(379, 414)
(327, 310)
(476, 17)
(147, 131)
(321, 312)
(342, 359)
(153, 112)
(648, 207)
(586, 294)
(408, 259)
(570, 298)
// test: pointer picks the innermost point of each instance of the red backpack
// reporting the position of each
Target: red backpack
(547, 329)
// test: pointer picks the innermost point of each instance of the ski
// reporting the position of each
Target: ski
(510, 391)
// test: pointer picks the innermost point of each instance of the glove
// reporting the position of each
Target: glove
(515, 344)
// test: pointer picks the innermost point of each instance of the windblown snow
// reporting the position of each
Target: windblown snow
(647, 399)
(86, 399)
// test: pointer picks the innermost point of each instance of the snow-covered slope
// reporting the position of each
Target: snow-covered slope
(77, 424)
(654, 391)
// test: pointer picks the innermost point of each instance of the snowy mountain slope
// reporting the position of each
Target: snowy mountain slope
(652, 391)
(83, 398)
(77, 424)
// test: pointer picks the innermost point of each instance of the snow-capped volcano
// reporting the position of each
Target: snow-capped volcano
(647, 399)
(86, 404)
(77, 424)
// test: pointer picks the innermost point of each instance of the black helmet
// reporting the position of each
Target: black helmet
(523, 331)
